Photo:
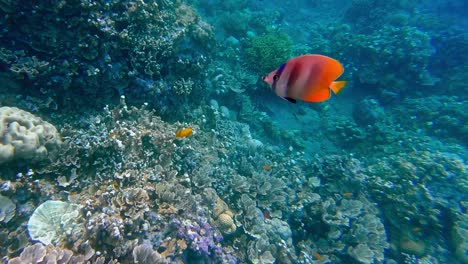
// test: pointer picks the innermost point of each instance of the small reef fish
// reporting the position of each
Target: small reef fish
(308, 77)
(267, 167)
(317, 256)
(184, 132)
(348, 195)
(113, 134)
(266, 214)
(115, 184)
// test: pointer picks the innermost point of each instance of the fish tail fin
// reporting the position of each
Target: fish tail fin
(337, 86)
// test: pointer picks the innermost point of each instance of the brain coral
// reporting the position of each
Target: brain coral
(25, 136)
(226, 223)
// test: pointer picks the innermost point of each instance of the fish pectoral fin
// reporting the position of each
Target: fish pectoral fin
(290, 100)
(337, 86)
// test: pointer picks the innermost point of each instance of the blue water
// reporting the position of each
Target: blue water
(149, 126)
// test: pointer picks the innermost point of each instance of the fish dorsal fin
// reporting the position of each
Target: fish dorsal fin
(337, 86)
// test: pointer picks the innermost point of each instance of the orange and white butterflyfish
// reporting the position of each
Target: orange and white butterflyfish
(310, 78)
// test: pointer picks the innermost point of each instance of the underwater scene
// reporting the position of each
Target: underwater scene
(233, 131)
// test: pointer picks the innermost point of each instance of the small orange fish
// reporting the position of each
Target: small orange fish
(113, 134)
(267, 167)
(309, 78)
(348, 195)
(317, 256)
(184, 132)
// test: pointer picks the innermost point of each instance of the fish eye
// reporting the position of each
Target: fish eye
(276, 77)
(264, 77)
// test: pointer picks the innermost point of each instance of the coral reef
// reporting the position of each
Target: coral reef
(368, 15)
(100, 49)
(354, 229)
(173, 152)
(440, 116)
(391, 61)
(131, 202)
(223, 195)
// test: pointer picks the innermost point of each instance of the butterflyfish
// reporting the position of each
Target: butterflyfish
(184, 132)
(310, 78)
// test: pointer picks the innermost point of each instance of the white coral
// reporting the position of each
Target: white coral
(52, 220)
(25, 136)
